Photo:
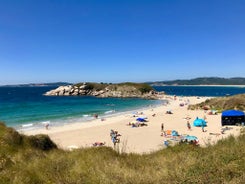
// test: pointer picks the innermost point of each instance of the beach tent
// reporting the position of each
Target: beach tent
(175, 133)
(190, 138)
(232, 117)
(198, 122)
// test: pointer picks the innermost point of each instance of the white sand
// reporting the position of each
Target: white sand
(142, 139)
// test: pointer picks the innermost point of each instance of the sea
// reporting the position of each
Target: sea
(27, 107)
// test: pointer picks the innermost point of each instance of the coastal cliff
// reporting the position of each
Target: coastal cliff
(104, 90)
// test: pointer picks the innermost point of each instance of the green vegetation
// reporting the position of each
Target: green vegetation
(223, 103)
(22, 161)
(93, 86)
(203, 81)
(142, 87)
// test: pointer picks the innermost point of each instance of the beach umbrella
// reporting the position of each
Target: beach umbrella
(141, 119)
(198, 122)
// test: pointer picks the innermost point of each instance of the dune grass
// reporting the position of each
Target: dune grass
(223, 103)
(26, 160)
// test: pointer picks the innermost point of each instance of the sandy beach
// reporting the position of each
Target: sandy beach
(143, 139)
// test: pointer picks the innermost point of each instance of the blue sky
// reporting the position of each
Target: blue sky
(120, 40)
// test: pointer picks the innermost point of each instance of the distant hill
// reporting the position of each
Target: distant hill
(202, 81)
(38, 84)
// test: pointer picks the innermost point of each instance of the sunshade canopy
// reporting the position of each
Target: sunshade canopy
(232, 113)
(232, 117)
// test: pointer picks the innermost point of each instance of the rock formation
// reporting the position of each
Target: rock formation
(123, 90)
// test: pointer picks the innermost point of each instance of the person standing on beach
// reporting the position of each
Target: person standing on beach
(204, 117)
(115, 137)
(162, 127)
(46, 125)
(188, 125)
(203, 128)
(166, 143)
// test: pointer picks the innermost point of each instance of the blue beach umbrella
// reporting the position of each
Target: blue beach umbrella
(198, 122)
(141, 119)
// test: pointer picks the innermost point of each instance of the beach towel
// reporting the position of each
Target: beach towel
(169, 132)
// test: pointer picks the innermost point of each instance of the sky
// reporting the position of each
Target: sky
(120, 40)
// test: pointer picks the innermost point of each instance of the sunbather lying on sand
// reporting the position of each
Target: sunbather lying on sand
(99, 144)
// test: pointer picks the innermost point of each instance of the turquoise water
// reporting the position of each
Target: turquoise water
(27, 107)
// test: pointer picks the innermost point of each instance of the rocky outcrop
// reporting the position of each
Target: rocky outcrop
(125, 90)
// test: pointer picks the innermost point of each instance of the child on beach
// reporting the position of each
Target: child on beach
(166, 143)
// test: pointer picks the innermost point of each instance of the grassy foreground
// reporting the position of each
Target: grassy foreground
(37, 160)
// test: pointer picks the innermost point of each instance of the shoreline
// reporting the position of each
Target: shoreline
(142, 139)
(83, 119)
(84, 123)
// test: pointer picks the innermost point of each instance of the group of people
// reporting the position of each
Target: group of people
(137, 124)
(115, 137)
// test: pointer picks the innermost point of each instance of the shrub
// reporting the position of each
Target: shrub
(42, 142)
(12, 137)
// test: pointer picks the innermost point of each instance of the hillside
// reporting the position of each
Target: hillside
(202, 81)
(27, 160)
(223, 103)
(55, 84)
(121, 90)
